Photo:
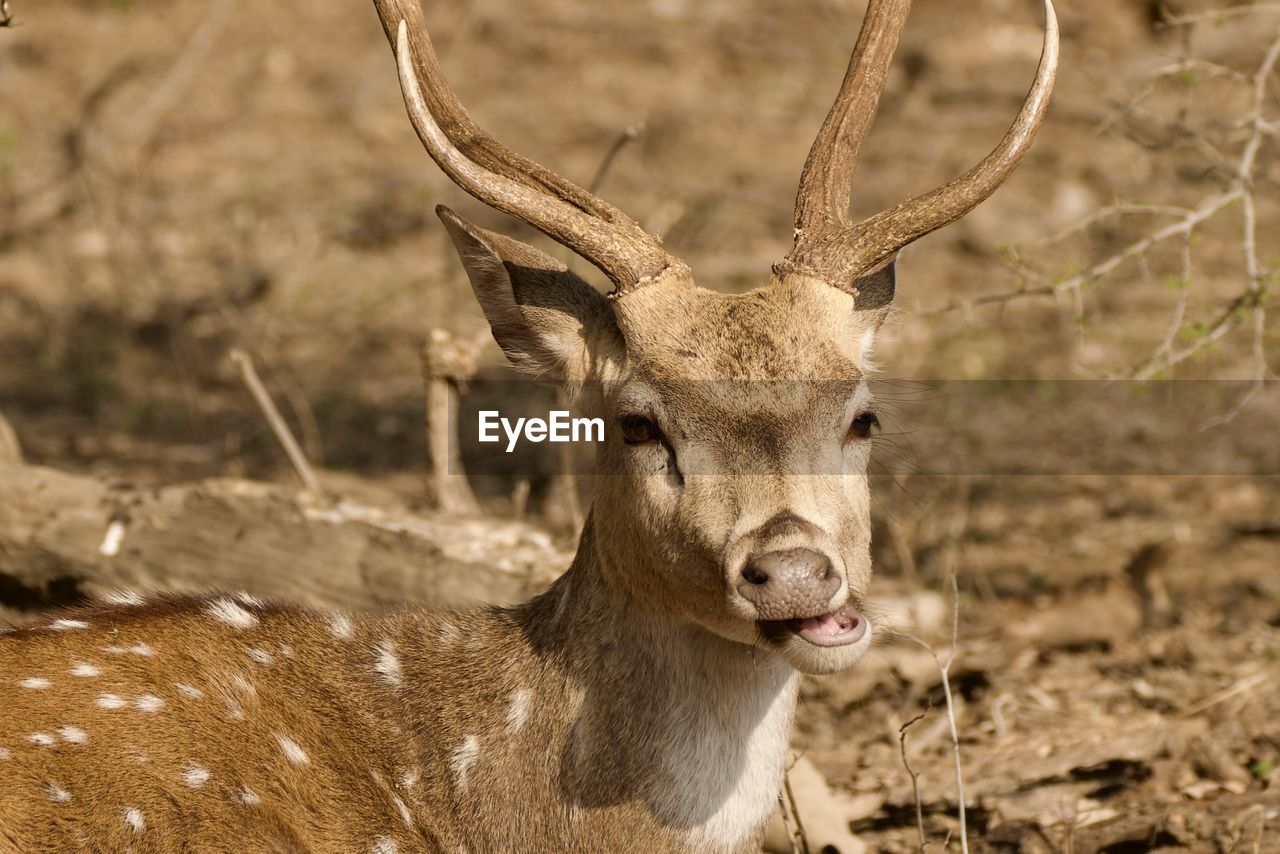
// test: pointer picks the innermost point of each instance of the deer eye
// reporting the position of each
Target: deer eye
(637, 429)
(863, 424)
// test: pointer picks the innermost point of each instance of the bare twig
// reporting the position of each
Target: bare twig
(1255, 287)
(800, 836)
(1161, 359)
(447, 362)
(10, 447)
(278, 426)
(945, 670)
(1118, 209)
(169, 91)
(1221, 14)
(944, 667)
(1199, 66)
(1247, 683)
(302, 413)
(628, 135)
(915, 777)
(1240, 173)
(1184, 226)
(785, 812)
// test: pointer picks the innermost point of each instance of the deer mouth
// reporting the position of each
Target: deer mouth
(844, 626)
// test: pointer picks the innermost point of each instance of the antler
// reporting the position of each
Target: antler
(502, 179)
(826, 244)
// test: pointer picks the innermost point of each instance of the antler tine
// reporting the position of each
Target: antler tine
(502, 179)
(838, 253)
(881, 236)
(827, 180)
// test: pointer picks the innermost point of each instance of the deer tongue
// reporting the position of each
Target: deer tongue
(838, 628)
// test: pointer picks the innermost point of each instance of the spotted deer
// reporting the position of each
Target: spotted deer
(643, 703)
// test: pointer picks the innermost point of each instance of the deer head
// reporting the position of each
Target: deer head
(736, 495)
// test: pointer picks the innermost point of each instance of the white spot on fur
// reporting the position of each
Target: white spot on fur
(409, 779)
(464, 756)
(518, 712)
(250, 600)
(41, 738)
(448, 633)
(195, 776)
(149, 703)
(292, 751)
(73, 734)
(231, 614)
(189, 691)
(405, 815)
(339, 626)
(286, 650)
(123, 597)
(387, 665)
(383, 845)
(5, 754)
(244, 685)
(57, 793)
(249, 797)
(68, 625)
(233, 710)
(259, 655)
(35, 683)
(85, 669)
(133, 818)
(137, 649)
(109, 701)
(112, 539)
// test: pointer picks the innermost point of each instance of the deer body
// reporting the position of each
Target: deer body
(644, 702)
(230, 721)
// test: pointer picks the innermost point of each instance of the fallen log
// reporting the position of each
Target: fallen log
(66, 536)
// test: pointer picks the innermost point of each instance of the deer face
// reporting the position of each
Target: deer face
(734, 492)
(738, 460)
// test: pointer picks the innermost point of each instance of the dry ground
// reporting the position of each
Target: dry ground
(180, 178)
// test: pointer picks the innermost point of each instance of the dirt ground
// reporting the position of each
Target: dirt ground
(181, 179)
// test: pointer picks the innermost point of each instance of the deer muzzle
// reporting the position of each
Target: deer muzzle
(789, 584)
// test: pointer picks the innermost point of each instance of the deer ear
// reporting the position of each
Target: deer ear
(875, 290)
(875, 296)
(546, 319)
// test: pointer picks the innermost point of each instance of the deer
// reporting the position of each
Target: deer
(644, 701)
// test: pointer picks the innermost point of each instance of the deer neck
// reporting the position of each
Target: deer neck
(682, 731)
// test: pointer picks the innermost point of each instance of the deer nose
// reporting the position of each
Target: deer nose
(784, 585)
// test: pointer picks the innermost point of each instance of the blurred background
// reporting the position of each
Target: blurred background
(180, 180)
